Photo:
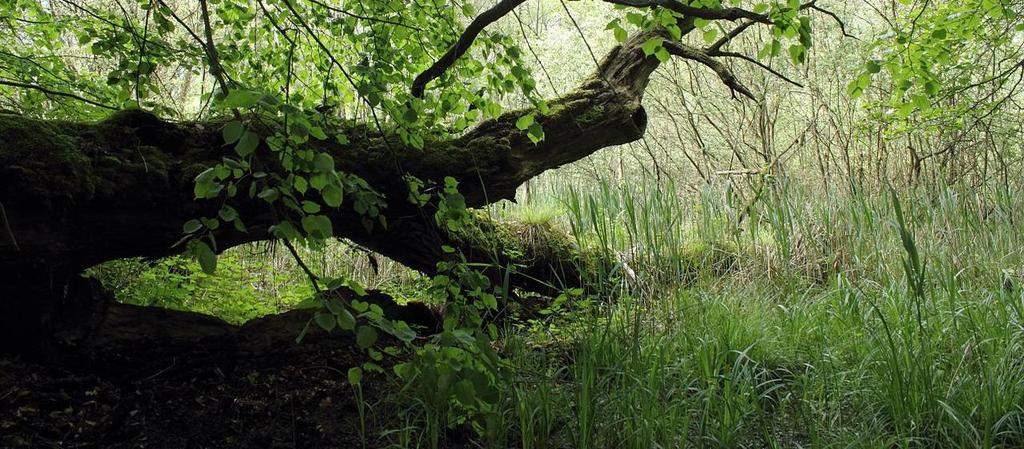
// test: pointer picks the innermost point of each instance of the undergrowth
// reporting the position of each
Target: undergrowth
(847, 320)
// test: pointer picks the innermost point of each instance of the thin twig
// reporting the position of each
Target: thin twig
(529, 46)
(56, 93)
(7, 227)
(368, 19)
(757, 63)
(842, 25)
(211, 50)
(313, 279)
(503, 7)
(728, 78)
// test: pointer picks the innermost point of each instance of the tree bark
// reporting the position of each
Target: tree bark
(77, 194)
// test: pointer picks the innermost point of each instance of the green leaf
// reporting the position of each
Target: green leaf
(310, 207)
(535, 133)
(308, 303)
(324, 163)
(207, 185)
(247, 144)
(492, 109)
(269, 195)
(192, 226)
(299, 129)
(524, 122)
(300, 184)
(410, 115)
(210, 223)
(232, 131)
(240, 98)
(317, 132)
(206, 257)
(332, 195)
(325, 320)
(228, 213)
(360, 306)
(797, 53)
(710, 34)
(652, 45)
(620, 34)
(345, 320)
(662, 54)
(465, 393)
(873, 66)
(356, 287)
(285, 230)
(318, 226)
(366, 336)
(333, 304)
(355, 375)
(403, 332)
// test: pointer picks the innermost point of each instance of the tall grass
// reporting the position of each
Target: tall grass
(863, 320)
(793, 318)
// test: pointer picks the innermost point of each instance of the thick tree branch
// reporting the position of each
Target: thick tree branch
(693, 11)
(77, 194)
(81, 193)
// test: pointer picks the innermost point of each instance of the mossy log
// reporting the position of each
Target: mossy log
(76, 194)
(104, 333)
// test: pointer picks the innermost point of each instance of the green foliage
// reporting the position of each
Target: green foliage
(938, 51)
(457, 376)
(262, 49)
(451, 209)
(242, 289)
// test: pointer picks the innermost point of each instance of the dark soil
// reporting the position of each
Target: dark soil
(297, 397)
(121, 376)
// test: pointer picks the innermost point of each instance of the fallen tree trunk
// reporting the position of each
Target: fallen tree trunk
(77, 194)
(96, 328)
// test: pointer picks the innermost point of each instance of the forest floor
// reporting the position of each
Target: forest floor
(833, 327)
(289, 398)
(275, 403)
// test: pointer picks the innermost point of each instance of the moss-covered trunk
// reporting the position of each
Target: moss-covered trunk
(77, 194)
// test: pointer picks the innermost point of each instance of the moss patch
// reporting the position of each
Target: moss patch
(43, 162)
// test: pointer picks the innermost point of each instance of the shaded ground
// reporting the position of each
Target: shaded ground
(123, 376)
(280, 399)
